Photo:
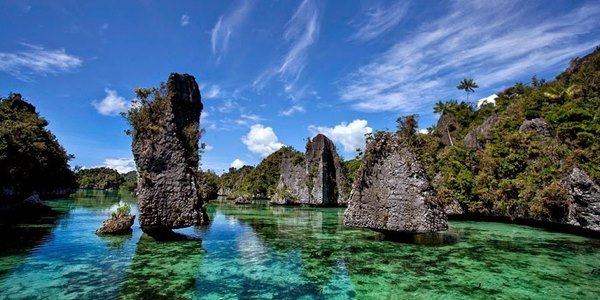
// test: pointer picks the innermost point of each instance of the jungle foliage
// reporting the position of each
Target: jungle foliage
(31, 159)
(513, 172)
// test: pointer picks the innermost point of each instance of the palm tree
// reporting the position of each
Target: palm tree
(468, 85)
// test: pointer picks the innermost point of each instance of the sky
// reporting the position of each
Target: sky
(274, 73)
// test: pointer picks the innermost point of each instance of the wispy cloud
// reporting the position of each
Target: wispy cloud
(377, 20)
(112, 104)
(292, 110)
(185, 20)
(212, 91)
(491, 42)
(301, 32)
(37, 61)
(248, 119)
(226, 26)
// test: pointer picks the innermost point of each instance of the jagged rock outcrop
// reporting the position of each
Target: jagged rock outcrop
(447, 129)
(165, 148)
(117, 224)
(451, 205)
(392, 191)
(538, 126)
(584, 200)
(480, 134)
(321, 180)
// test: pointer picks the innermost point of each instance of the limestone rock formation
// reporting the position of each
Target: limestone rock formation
(447, 128)
(476, 136)
(538, 126)
(117, 224)
(165, 148)
(584, 200)
(392, 192)
(321, 180)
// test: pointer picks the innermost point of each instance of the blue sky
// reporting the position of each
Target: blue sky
(274, 73)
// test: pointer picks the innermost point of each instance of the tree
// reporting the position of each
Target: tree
(467, 85)
(407, 125)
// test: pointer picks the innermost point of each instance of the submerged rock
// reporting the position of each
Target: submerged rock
(584, 200)
(117, 224)
(165, 148)
(319, 180)
(392, 192)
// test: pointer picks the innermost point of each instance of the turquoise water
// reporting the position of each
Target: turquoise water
(271, 252)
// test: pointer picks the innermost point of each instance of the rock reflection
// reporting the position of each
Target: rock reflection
(162, 270)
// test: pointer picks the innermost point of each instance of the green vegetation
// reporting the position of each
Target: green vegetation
(99, 179)
(209, 184)
(511, 172)
(31, 159)
(467, 85)
(129, 181)
(262, 180)
(123, 210)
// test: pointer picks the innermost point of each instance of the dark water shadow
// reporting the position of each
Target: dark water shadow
(443, 238)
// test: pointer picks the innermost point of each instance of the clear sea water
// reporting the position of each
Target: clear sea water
(271, 252)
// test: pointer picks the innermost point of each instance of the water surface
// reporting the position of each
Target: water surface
(272, 252)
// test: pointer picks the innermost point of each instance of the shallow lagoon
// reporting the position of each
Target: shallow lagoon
(273, 252)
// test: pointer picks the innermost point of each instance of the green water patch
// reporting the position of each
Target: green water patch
(259, 251)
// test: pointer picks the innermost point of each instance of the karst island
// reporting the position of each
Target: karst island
(300, 150)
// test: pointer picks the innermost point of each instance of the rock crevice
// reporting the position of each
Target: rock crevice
(319, 181)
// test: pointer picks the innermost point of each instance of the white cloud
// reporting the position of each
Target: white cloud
(492, 42)
(424, 131)
(36, 60)
(261, 140)
(213, 91)
(377, 20)
(226, 26)
(112, 104)
(350, 136)
(292, 110)
(489, 99)
(208, 147)
(122, 165)
(185, 20)
(237, 163)
(301, 32)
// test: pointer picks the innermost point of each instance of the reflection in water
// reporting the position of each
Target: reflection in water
(163, 270)
(259, 251)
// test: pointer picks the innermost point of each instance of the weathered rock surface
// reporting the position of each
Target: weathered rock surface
(319, 181)
(117, 225)
(538, 126)
(584, 200)
(447, 129)
(166, 157)
(392, 192)
(480, 134)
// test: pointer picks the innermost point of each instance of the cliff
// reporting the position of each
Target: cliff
(392, 191)
(319, 179)
(165, 147)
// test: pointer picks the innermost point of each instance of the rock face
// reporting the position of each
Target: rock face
(319, 181)
(392, 192)
(447, 128)
(166, 156)
(538, 126)
(117, 225)
(584, 200)
(479, 134)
